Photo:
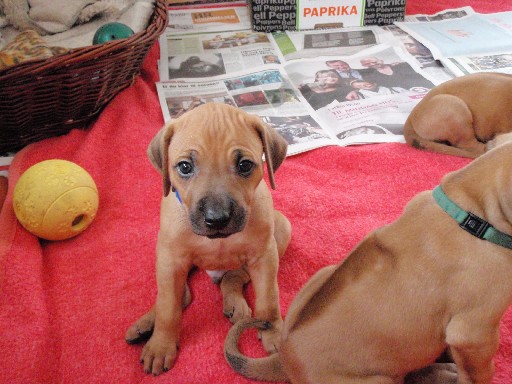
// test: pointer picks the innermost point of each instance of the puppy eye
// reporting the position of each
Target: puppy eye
(184, 168)
(245, 167)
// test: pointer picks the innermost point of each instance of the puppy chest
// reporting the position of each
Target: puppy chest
(221, 255)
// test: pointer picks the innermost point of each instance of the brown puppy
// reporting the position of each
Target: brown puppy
(409, 291)
(461, 116)
(219, 217)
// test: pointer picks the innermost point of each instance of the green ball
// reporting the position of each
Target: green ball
(111, 31)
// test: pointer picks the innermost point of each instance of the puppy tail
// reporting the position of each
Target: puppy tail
(418, 142)
(267, 368)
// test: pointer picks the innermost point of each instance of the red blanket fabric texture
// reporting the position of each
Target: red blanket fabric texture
(65, 305)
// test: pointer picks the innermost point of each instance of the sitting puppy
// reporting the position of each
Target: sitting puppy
(437, 279)
(461, 116)
(220, 217)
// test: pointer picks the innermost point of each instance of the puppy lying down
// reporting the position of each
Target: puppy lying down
(462, 116)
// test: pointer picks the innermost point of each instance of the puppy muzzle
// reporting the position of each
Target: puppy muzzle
(217, 217)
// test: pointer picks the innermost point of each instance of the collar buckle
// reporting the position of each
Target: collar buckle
(475, 225)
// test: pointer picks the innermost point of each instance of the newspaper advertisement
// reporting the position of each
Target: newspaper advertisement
(467, 44)
(209, 18)
(214, 54)
(313, 14)
(375, 91)
(281, 15)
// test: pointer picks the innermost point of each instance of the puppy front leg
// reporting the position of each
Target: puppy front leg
(159, 353)
(264, 277)
(472, 346)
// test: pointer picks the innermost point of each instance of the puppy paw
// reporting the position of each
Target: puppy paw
(439, 373)
(271, 338)
(158, 355)
(142, 329)
(236, 308)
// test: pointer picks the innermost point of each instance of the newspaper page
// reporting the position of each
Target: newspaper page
(502, 62)
(362, 98)
(346, 41)
(214, 54)
(209, 18)
(469, 36)
(266, 93)
(464, 65)
(420, 52)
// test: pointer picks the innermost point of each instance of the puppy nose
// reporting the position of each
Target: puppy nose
(216, 218)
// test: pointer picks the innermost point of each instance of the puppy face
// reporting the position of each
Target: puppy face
(212, 157)
(215, 165)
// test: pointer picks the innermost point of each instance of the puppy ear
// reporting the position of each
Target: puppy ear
(154, 152)
(274, 148)
(158, 153)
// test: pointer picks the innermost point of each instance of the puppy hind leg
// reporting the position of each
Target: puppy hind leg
(446, 119)
(142, 329)
(442, 118)
(232, 285)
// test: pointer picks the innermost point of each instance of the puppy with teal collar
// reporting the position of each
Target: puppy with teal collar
(436, 280)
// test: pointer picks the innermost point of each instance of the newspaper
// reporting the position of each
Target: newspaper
(214, 54)
(267, 93)
(468, 44)
(420, 52)
(365, 107)
(304, 44)
(208, 18)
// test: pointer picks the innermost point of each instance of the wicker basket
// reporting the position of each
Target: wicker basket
(45, 98)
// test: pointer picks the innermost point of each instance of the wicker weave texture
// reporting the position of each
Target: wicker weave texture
(45, 98)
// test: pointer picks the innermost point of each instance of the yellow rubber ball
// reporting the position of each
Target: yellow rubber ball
(55, 199)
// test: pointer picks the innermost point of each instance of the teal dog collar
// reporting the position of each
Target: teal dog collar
(470, 222)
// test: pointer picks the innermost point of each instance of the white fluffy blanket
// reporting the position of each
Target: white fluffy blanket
(70, 23)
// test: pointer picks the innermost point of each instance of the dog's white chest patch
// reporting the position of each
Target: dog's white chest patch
(216, 276)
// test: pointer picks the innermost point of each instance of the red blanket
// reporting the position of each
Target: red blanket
(65, 305)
